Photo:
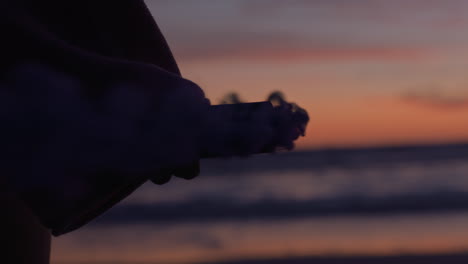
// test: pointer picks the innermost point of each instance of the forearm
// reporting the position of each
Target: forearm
(65, 149)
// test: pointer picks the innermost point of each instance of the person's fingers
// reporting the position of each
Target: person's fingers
(162, 177)
(188, 172)
(296, 133)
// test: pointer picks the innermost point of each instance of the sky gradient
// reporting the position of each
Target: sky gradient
(369, 72)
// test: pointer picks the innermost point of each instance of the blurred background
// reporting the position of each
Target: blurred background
(382, 174)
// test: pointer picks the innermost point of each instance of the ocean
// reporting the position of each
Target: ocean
(369, 205)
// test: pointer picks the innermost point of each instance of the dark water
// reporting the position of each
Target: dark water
(297, 207)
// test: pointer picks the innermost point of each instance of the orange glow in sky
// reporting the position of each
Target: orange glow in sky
(389, 73)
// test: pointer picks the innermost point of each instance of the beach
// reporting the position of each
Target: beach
(370, 205)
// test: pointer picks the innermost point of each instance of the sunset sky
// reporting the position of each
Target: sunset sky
(370, 72)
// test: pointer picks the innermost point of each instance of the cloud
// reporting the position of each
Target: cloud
(436, 100)
(287, 47)
(378, 10)
(312, 31)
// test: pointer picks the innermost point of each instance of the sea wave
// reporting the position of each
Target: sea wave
(217, 209)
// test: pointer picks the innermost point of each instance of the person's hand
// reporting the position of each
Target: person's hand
(182, 122)
(185, 172)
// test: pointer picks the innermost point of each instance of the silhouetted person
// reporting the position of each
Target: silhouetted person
(92, 105)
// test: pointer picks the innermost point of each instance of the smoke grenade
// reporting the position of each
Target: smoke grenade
(242, 129)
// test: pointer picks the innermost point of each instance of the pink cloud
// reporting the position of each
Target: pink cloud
(289, 48)
(437, 101)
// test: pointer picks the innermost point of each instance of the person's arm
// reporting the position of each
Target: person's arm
(84, 129)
